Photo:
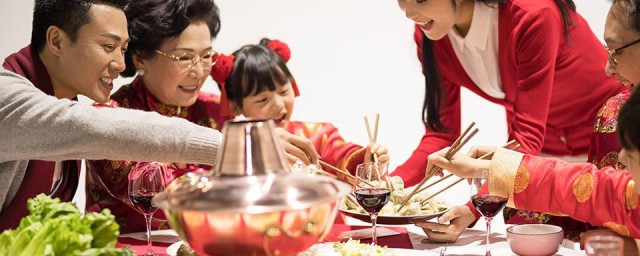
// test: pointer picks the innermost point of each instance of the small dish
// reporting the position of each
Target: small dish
(535, 239)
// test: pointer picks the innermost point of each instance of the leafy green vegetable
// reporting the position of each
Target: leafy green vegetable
(55, 228)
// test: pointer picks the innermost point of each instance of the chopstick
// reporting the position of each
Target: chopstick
(455, 147)
(373, 140)
(485, 156)
(336, 169)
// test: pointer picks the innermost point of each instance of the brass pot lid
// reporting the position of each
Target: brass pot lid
(249, 194)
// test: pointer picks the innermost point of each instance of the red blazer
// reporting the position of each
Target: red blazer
(553, 87)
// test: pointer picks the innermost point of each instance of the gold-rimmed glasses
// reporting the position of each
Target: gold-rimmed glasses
(189, 60)
(613, 52)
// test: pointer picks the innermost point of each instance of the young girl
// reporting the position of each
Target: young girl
(256, 83)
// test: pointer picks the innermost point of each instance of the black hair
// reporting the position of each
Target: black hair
(433, 94)
(629, 122)
(632, 9)
(256, 68)
(152, 22)
(68, 15)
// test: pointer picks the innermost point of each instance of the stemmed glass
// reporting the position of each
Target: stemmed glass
(145, 181)
(487, 203)
(373, 194)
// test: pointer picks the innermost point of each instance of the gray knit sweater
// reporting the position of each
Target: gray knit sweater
(36, 126)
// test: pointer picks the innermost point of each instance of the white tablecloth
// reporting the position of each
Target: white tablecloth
(472, 241)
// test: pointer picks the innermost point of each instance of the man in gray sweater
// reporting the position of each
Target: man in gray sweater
(77, 48)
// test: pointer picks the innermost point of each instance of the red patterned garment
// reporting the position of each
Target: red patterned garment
(605, 145)
(603, 197)
(603, 152)
(330, 145)
(107, 180)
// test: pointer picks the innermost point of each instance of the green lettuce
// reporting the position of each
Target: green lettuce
(55, 228)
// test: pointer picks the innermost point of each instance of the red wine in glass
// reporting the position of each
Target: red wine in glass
(373, 199)
(488, 205)
(145, 181)
(371, 191)
(142, 201)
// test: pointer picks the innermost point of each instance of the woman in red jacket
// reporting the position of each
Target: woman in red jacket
(538, 59)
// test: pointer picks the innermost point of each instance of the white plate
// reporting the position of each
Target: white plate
(172, 250)
(392, 251)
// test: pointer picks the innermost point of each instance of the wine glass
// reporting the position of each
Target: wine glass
(487, 203)
(145, 181)
(604, 246)
(372, 192)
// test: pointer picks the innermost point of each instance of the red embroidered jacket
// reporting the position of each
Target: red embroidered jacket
(603, 197)
(107, 181)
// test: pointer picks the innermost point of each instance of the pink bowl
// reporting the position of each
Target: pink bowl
(535, 239)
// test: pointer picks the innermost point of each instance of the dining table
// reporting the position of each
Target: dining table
(406, 237)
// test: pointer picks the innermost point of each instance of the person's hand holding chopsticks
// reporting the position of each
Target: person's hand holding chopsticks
(380, 151)
(459, 164)
(298, 148)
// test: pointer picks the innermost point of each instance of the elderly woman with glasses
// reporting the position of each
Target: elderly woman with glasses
(171, 52)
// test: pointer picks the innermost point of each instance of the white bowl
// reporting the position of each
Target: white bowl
(535, 239)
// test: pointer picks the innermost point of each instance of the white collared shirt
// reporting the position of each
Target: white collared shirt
(478, 51)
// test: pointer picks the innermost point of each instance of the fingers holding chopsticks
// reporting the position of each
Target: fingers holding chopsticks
(458, 164)
(436, 155)
(380, 151)
(478, 151)
(298, 147)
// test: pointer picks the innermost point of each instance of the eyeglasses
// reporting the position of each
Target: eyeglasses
(188, 60)
(618, 50)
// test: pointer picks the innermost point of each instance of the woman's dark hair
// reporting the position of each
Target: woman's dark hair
(68, 15)
(433, 94)
(629, 122)
(152, 22)
(256, 68)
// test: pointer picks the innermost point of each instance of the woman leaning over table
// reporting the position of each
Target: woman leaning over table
(532, 57)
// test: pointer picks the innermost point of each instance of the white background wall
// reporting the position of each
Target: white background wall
(350, 58)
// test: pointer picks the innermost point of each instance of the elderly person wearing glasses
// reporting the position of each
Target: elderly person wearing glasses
(171, 52)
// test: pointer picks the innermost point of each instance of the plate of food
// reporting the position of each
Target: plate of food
(355, 248)
(416, 210)
(180, 249)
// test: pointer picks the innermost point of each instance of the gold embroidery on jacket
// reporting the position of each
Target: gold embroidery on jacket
(618, 228)
(630, 196)
(582, 187)
(522, 179)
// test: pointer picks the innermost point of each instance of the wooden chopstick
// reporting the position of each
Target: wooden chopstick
(485, 156)
(375, 129)
(336, 169)
(445, 188)
(371, 137)
(437, 169)
(434, 169)
(372, 140)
